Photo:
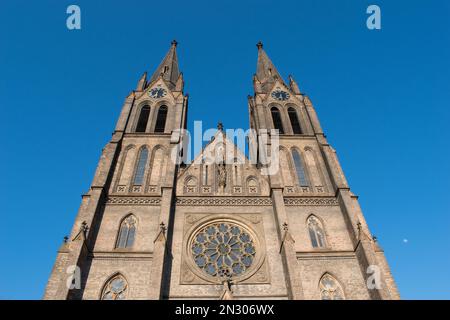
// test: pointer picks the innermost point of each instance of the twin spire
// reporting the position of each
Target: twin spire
(265, 77)
(265, 70)
(168, 68)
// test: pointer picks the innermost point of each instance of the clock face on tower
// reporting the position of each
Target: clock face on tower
(280, 95)
(157, 93)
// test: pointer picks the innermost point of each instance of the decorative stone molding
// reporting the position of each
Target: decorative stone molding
(81, 235)
(252, 190)
(191, 189)
(325, 255)
(148, 201)
(122, 255)
(121, 188)
(254, 218)
(192, 218)
(310, 202)
(186, 274)
(303, 191)
(206, 189)
(136, 189)
(289, 189)
(223, 201)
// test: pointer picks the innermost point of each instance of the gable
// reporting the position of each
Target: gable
(221, 169)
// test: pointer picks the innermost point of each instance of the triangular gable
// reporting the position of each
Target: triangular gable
(279, 84)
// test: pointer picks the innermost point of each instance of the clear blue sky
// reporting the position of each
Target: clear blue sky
(382, 97)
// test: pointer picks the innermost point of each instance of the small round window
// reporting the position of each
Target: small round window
(223, 250)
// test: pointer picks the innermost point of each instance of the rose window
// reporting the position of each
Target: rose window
(223, 250)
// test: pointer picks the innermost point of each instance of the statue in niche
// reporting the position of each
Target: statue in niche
(221, 176)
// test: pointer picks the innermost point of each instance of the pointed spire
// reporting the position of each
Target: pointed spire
(265, 69)
(142, 82)
(168, 68)
(293, 85)
(180, 83)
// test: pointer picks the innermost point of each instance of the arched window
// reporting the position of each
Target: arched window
(129, 156)
(158, 166)
(205, 175)
(316, 233)
(294, 121)
(330, 289)
(205, 169)
(143, 119)
(161, 119)
(140, 169)
(314, 173)
(191, 184)
(252, 185)
(236, 172)
(127, 232)
(300, 168)
(285, 167)
(115, 289)
(276, 117)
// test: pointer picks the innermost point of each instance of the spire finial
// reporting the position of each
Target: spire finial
(259, 45)
(174, 42)
(220, 126)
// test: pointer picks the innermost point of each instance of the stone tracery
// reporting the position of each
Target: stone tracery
(223, 249)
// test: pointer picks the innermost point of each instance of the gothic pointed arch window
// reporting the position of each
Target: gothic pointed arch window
(143, 119)
(205, 168)
(126, 169)
(316, 232)
(295, 123)
(127, 232)
(191, 184)
(115, 289)
(140, 168)
(158, 165)
(314, 170)
(330, 288)
(205, 175)
(252, 185)
(300, 168)
(276, 117)
(285, 167)
(236, 172)
(161, 119)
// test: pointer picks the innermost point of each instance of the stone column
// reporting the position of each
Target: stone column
(287, 249)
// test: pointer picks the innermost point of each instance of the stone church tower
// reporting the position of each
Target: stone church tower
(152, 228)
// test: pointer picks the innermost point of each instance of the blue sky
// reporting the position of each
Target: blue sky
(382, 98)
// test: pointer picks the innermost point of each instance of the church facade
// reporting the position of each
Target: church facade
(154, 228)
